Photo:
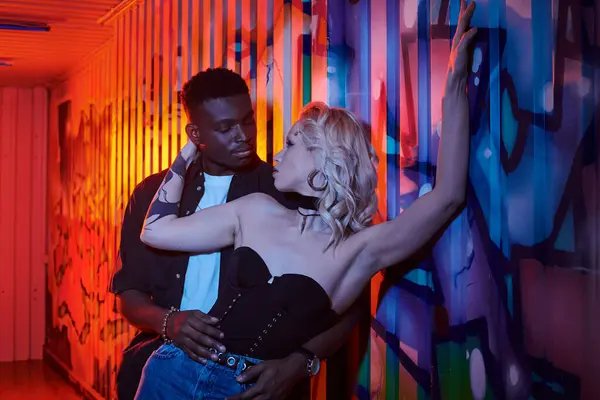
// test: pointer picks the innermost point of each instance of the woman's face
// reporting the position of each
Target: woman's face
(294, 163)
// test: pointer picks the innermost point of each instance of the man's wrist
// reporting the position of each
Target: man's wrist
(299, 361)
(312, 364)
(157, 319)
(164, 330)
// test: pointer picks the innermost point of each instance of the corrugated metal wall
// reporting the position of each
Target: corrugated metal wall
(23, 141)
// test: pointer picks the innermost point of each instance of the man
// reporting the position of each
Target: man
(168, 295)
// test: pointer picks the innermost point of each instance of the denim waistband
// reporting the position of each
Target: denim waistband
(235, 361)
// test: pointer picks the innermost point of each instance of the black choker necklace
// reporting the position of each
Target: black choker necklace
(304, 216)
(309, 203)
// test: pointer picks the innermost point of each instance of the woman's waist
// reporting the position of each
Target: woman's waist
(270, 338)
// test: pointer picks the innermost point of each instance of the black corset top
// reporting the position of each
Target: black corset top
(268, 317)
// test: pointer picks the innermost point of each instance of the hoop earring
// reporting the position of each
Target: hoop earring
(311, 182)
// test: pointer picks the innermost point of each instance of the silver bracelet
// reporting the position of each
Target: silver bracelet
(163, 332)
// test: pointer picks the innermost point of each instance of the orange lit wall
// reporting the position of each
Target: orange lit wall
(23, 137)
(506, 305)
(86, 200)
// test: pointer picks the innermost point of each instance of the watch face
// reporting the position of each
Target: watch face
(314, 367)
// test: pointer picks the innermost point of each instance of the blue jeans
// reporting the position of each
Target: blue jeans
(170, 374)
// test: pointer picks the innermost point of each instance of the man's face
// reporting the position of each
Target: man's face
(225, 130)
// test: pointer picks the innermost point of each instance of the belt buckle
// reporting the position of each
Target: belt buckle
(231, 361)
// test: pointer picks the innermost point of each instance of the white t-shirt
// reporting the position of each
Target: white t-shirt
(201, 286)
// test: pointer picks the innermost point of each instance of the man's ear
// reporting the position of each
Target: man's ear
(193, 133)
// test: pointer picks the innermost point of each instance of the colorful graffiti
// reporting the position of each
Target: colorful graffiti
(464, 324)
(503, 306)
(82, 327)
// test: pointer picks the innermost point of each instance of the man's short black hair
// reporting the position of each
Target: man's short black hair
(212, 83)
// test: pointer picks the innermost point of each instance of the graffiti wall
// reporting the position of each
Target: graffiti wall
(504, 306)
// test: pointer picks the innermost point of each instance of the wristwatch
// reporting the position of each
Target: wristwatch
(313, 364)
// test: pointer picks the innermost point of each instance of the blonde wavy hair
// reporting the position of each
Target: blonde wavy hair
(346, 168)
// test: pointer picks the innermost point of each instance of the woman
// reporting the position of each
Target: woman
(303, 268)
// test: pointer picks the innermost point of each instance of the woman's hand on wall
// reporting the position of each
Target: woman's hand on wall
(458, 65)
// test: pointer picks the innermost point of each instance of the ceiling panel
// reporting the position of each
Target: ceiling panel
(39, 58)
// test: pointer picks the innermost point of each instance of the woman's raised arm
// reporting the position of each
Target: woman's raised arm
(394, 241)
(205, 231)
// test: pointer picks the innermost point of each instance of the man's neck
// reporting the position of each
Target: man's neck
(214, 169)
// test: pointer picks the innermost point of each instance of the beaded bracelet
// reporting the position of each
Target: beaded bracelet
(163, 332)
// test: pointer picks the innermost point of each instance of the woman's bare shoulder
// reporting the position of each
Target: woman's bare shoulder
(260, 203)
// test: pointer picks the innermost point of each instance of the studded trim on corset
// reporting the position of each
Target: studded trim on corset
(265, 331)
